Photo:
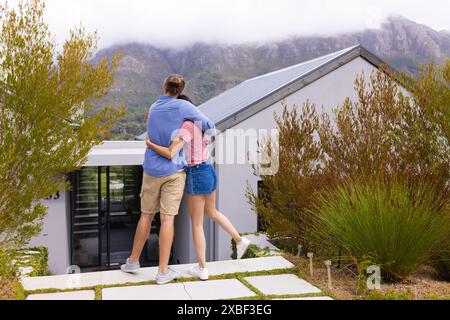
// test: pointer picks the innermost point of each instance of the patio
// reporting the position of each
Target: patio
(260, 278)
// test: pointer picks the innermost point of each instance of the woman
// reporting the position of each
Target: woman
(201, 185)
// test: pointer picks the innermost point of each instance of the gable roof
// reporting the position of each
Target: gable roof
(254, 95)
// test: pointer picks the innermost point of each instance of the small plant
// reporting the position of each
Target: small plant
(8, 269)
(397, 226)
(10, 288)
(390, 295)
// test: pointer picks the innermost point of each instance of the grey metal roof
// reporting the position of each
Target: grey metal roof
(254, 95)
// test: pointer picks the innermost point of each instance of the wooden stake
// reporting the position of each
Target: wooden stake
(310, 255)
(299, 252)
(328, 264)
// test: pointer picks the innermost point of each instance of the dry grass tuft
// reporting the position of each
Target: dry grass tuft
(8, 289)
(422, 285)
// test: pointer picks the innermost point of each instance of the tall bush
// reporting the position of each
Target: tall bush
(283, 200)
(390, 133)
(396, 225)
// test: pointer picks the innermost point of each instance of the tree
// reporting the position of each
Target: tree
(392, 132)
(47, 126)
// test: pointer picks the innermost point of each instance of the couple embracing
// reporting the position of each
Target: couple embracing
(177, 162)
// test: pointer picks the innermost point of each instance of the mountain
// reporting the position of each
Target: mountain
(211, 69)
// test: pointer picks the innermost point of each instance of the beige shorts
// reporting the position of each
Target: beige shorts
(162, 194)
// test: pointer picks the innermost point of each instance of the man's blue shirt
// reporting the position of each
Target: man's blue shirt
(166, 116)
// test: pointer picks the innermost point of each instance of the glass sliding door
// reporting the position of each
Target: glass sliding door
(121, 205)
(114, 212)
(85, 218)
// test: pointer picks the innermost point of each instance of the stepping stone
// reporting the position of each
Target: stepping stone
(282, 285)
(218, 290)
(173, 291)
(108, 278)
(248, 265)
(73, 281)
(75, 295)
(208, 290)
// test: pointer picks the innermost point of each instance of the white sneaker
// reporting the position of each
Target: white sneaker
(130, 267)
(202, 274)
(168, 277)
(243, 247)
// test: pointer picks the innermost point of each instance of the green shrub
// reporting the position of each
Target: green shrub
(282, 199)
(12, 260)
(381, 133)
(35, 257)
(10, 287)
(8, 269)
(394, 224)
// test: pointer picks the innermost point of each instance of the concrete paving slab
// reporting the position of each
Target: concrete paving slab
(172, 291)
(287, 284)
(75, 295)
(218, 290)
(198, 290)
(108, 278)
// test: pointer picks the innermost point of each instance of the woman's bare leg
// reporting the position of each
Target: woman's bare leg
(220, 219)
(196, 207)
(166, 234)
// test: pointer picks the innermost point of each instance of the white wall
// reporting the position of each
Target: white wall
(183, 248)
(55, 234)
(329, 91)
(117, 153)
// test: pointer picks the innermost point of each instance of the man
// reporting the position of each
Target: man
(164, 180)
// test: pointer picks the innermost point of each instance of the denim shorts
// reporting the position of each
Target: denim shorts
(201, 180)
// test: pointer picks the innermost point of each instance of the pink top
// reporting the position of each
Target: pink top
(196, 144)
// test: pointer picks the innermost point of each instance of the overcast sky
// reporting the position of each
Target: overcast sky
(181, 22)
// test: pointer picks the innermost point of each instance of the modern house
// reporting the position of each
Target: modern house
(92, 226)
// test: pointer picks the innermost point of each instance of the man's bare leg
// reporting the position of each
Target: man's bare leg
(141, 236)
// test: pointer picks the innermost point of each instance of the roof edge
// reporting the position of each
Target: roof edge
(300, 83)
